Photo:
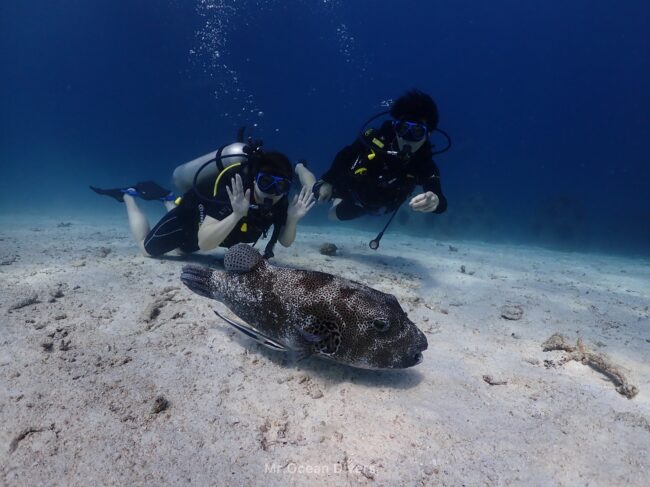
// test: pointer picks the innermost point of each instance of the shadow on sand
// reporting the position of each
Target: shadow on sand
(377, 260)
(326, 369)
(394, 264)
(212, 261)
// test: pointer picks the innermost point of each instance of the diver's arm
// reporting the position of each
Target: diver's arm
(212, 231)
(335, 177)
(305, 176)
(288, 233)
(298, 208)
(425, 202)
(431, 184)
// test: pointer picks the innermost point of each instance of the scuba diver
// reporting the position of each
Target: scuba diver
(380, 170)
(213, 213)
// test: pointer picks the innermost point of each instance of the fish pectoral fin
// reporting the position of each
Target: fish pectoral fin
(255, 334)
(300, 354)
(323, 336)
(311, 337)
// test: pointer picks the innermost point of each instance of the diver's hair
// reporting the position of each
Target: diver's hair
(275, 163)
(415, 105)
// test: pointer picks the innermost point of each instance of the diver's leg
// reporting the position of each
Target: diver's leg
(169, 206)
(137, 221)
(345, 210)
(169, 234)
(331, 214)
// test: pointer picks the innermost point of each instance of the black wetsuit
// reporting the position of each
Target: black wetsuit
(381, 181)
(178, 229)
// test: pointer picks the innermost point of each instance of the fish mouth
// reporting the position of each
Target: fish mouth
(404, 362)
(412, 360)
(197, 279)
(418, 358)
(415, 357)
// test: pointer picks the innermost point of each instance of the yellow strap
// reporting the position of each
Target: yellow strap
(361, 170)
(372, 155)
(244, 227)
(216, 182)
(378, 143)
(178, 201)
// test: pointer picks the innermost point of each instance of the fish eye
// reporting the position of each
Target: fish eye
(380, 325)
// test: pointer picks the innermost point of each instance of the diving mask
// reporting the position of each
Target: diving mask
(411, 131)
(270, 184)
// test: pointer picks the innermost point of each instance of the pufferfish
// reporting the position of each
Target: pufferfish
(309, 313)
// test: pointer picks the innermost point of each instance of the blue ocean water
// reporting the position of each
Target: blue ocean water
(547, 103)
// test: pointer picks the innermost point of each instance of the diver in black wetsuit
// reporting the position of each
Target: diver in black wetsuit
(212, 213)
(380, 170)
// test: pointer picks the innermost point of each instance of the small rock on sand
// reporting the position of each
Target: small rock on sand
(512, 312)
(328, 249)
(28, 301)
(494, 382)
(160, 404)
(316, 394)
(102, 252)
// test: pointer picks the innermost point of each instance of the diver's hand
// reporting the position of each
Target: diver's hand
(301, 204)
(424, 202)
(325, 192)
(239, 200)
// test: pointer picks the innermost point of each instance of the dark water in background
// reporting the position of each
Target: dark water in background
(547, 102)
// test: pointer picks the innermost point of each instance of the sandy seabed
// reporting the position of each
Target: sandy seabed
(113, 373)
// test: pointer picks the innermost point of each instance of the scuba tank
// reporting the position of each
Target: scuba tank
(223, 157)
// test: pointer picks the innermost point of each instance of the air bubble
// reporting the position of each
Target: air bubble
(214, 49)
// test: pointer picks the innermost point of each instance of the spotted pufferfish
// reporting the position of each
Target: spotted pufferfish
(310, 313)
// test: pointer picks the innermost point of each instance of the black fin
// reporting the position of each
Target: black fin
(149, 190)
(255, 334)
(300, 354)
(310, 337)
(116, 193)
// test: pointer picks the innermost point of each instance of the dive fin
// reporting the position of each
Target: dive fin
(255, 334)
(117, 193)
(149, 190)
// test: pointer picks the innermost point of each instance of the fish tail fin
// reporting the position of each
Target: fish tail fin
(198, 279)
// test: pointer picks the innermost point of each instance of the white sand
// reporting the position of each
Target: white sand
(81, 413)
